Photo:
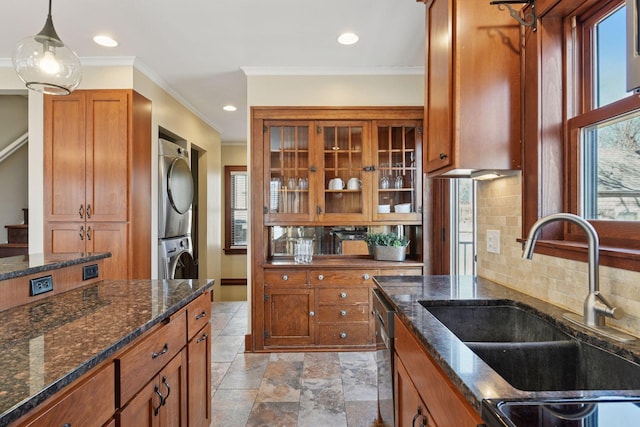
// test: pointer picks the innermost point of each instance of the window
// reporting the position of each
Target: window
(604, 181)
(462, 222)
(236, 209)
(582, 131)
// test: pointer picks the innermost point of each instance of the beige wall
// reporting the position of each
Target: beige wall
(14, 170)
(233, 266)
(166, 112)
(561, 282)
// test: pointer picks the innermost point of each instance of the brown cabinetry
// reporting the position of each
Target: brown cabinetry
(426, 395)
(472, 88)
(89, 404)
(162, 402)
(320, 307)
(97, 154)
(339, 171)
(199, 359)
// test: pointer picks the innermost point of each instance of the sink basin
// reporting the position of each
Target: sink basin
(472, 321)
(530, 353)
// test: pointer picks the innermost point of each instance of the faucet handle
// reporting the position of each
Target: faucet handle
(607, 308)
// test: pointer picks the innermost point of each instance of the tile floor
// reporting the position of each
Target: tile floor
(319, 389)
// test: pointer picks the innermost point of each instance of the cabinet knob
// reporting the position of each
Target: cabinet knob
(285, 277)
(343, 295)
(343, 312)
(313, 169)
(443, 156)
(320, 277)
(343, 335)
(366, 276)
(312, 313)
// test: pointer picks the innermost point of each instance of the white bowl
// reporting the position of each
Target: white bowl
(403, 207)
(384, 208)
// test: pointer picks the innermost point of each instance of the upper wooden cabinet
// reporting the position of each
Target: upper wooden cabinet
(97, 168)
(472, 88)
(340, 167)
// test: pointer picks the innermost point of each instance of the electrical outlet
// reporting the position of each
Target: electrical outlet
(89, 271)
(41, 285)
(493, 241)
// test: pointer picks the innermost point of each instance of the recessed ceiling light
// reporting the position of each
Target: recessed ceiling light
(347, 38)
(105, 41)
(229, 108)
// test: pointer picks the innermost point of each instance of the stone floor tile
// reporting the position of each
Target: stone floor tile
(322, 403)
(225, 348)
(281, 382)
(321, 365)
(362, 413)
(231, 408)
(245, 372)
(274, 414)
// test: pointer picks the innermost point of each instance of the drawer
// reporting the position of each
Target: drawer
(198, 314)
(342, 277)
(344, 334)
(343, 296)
(285, 278)
(343, 313)
(91, 404)
(147, 357)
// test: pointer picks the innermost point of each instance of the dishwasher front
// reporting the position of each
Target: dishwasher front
(383, 314)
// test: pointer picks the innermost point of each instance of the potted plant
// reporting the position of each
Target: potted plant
(387, 246)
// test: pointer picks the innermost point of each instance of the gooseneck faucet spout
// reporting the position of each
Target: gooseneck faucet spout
(596, 306)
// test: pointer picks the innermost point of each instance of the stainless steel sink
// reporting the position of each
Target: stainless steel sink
(529, 352)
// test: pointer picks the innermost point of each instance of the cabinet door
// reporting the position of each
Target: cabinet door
(199, 352)
(110, 237)
(64, 157)
(65, 237)
(398, 190)
(439, 85)
(162, 402)
(410, 409)
(344, 189)
(107, 156)
(289, 316)
(290, 182)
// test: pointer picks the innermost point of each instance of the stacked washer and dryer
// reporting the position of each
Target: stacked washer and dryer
(175, 251)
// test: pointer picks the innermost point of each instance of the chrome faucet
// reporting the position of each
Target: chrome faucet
(596, 307)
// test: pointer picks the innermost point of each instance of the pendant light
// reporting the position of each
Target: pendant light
(45, 63)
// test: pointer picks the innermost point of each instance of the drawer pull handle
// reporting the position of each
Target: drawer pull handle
(202, 338)
(343, 335)
(285, 277)
(89, 211)
(67, 425)
(166, 384)
(201, 315)
(81, 211)
(343, 312)
(343, 295)
(163, 351)
(312, 313)
(156, 390)
(320, 277)
(366, 276)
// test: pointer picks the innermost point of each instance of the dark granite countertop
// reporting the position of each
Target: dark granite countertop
(23, 265)
(48, 344)
(474, 378)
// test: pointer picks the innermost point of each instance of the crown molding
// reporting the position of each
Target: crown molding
(331, 71)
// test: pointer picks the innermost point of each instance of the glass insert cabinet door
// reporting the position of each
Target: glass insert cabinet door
(288, 168)
(399, 171)
(345, 177)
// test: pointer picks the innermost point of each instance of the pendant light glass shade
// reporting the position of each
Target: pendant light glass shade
(45, 63)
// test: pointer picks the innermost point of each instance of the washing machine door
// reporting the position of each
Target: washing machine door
(183, 267)
(180, 185)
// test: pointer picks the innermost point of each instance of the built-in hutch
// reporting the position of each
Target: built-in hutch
(329, 176)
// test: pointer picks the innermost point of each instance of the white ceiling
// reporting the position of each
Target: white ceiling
(196, 48)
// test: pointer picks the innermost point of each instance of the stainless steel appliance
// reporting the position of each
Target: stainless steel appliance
(176, 191)
(383, 313)
(176, 258)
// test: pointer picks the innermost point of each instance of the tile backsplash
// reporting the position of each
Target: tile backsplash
(559, 281)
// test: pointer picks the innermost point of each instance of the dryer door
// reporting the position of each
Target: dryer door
(180, 185)
(183, 267)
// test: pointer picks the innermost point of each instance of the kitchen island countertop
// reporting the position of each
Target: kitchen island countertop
(473, 378)
(48, 344)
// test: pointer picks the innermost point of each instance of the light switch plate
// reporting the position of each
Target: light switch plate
(493, 241)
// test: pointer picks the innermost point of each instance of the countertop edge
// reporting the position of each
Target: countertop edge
(54, 265)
